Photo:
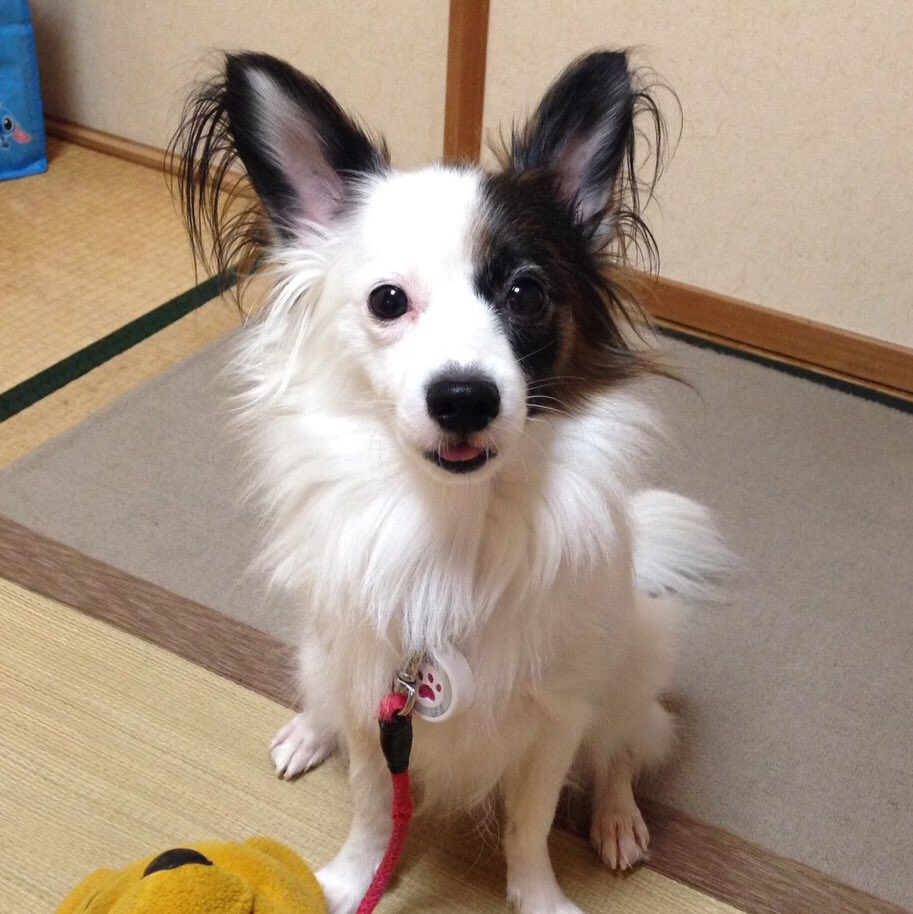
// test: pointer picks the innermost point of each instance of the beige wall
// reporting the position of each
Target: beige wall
(793, 183)
(123, 67)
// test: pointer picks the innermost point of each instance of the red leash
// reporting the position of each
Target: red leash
(396, 743)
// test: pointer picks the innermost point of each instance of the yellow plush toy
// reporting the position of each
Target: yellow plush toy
(260, 876)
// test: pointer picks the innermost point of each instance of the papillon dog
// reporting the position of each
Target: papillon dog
(447, 415)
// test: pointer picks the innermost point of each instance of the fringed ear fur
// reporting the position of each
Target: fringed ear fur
(584, 132)
(265, 153)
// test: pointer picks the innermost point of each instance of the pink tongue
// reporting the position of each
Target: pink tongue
(459, 452)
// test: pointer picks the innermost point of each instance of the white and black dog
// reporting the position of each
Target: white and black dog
(445, 411)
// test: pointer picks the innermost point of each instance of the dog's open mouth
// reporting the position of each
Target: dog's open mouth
(460, 458)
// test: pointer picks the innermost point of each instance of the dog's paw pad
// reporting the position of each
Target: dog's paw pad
(620, 837)
(298, 747)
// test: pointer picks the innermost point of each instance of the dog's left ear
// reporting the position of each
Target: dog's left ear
(582, 131)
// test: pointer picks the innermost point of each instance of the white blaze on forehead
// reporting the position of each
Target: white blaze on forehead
(417, 229)
(419, 224)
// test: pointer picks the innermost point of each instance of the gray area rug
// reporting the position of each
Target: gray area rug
(796, 700)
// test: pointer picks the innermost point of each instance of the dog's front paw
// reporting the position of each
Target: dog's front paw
(619, 835)
(343, 894)
(298, 747)
(566, 906)
(539, 896)
(550, 904)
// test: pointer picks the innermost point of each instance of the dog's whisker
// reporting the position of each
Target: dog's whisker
(535, 352)
(551, 382)
(546, 457)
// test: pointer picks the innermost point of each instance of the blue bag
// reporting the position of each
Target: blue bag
(22, 142)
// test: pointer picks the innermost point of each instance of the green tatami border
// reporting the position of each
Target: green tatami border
(73, 367)
(796, 371)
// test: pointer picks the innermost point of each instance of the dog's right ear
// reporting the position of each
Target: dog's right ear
(300, 149)
(302, 153)
(583, 132)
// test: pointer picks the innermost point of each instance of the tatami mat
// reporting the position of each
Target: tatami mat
(70, 405)
(794, 700)
(111, 748)
(85, 248)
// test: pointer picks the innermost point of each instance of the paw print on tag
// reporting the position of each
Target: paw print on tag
(433, 693)
(443, 685)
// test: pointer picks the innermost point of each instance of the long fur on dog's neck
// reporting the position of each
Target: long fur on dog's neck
(371, 541)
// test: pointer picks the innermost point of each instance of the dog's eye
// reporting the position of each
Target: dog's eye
(525, 296)
(388, 302)
(7, 123)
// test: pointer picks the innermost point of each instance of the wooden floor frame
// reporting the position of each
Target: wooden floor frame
(698, 855)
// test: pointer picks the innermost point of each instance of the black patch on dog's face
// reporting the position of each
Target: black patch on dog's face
(568, 343)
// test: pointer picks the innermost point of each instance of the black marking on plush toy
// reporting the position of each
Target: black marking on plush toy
(176, 857)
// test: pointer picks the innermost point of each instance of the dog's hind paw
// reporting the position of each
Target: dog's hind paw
(299, 746)
(343, 896)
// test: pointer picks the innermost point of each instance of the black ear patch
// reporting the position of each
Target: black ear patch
(301, 153)
(573, 342)
(582, 131)
(294, 139)
(564, 213)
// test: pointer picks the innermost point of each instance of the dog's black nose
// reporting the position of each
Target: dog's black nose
(463, 403)
(171, 860)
